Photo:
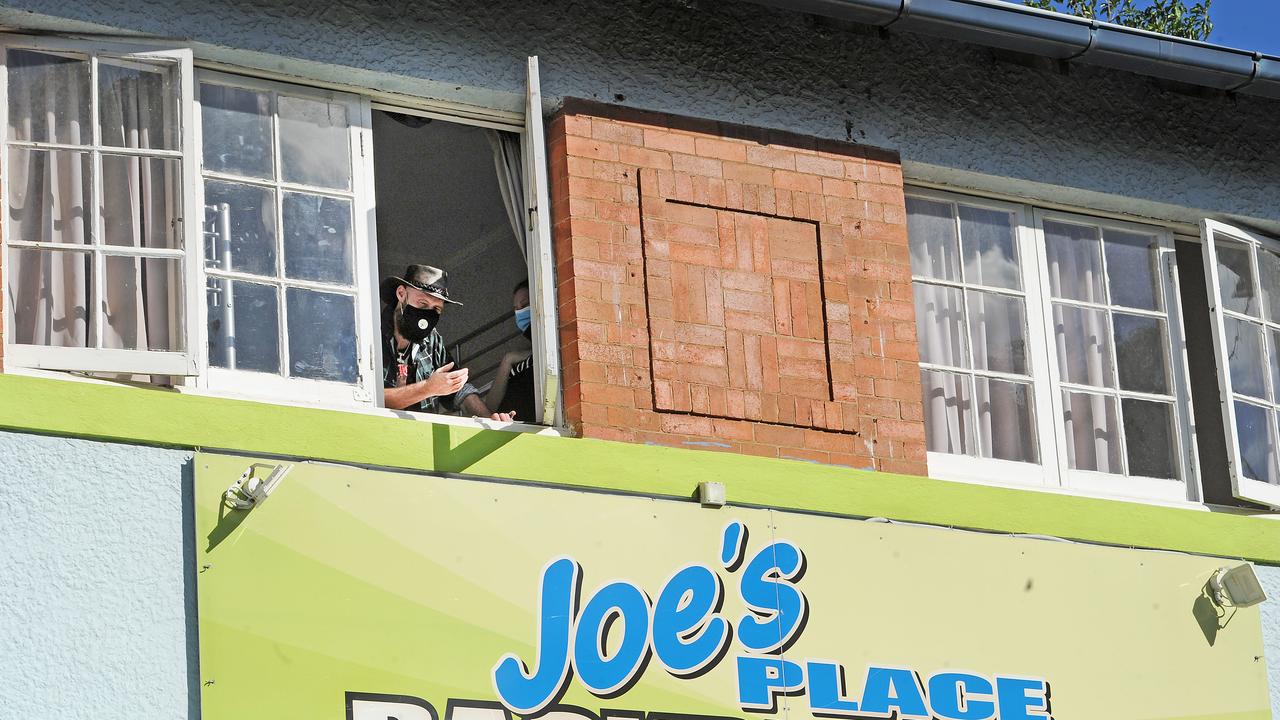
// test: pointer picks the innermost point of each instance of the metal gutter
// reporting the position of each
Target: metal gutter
(1063, 37)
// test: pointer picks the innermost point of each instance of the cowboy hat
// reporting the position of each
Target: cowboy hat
(430, 280)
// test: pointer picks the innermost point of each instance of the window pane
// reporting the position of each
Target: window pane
(1140, 353)
(236, 126)
(1075, 261)
(998, 325)
(1093, 434)
(1133, 269)
(1005, 420)
(142, 303)
(1150, 438)
(1257, 446)
(1269, 279)
(322, 335)
(137, 105)
(931, 231)
(315, 144)
(1235, 277)
(317, 238)
(1244, 356)
(48, 97)
(244, 330)
(240, 227)
(141, 201)
(50, 293)
(1083, 337)
(940, 324)
(948, 415)
(990, 254)
(49, 196)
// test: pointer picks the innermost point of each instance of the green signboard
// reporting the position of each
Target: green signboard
(368, 595)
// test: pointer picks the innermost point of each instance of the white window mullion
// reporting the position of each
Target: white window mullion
(541, 263)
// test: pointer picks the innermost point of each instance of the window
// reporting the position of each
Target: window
(1050, 348)
(1243, 273)
(213, 230)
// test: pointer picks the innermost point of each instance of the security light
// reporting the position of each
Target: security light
(1237, 586)
(711, 494)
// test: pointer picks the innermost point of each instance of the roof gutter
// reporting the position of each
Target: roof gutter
(1063, 37)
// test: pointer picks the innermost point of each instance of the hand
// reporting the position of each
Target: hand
(446, 381)
(504, 417)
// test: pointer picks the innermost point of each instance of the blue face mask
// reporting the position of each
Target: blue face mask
(523, 318)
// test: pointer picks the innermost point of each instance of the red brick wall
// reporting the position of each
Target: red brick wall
(734, 289)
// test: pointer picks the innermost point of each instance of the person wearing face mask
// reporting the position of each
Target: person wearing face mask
(512, 389)
(417, 372)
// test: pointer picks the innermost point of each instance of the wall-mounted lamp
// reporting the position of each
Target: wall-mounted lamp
(711, 494)
(1237, 586)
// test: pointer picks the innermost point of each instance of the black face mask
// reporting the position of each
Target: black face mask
(416, 323)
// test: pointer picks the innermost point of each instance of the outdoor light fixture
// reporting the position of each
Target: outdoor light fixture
(1237, 586)
(711, 494)
(251, 490)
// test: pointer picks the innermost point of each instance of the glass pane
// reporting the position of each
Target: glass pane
(50, 293)
(317, 238)
(322, 335)
(1244, 357)
(142, 303)
(1150, 438)
(1141, 353)
(141, 201)
(990, 254)
(315, 144)
(1235, 277)
(948, 413)
(1083, 337)
(1269, 279)
(244, 330)
(49, 97)
(940, 324)
(240, 227)
(1257, 447)
(1273, 337)
(138, 105)
(1093, 434)
(49, 196)
(1005, 420)
(237, 131)
(998, 327)
(1133, 272)
(1075, 261)
(931, 231)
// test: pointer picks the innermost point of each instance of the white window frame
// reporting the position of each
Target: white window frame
(1052, 473)
(1185, 488)
(540, 258)
(1242, 487)
(111, 360)
(271, 385)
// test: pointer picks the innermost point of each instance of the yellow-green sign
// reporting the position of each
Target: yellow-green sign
(349, 593)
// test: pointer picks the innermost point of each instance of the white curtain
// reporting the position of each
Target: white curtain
(508, 163)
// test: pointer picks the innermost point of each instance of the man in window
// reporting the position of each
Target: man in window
(417, 371)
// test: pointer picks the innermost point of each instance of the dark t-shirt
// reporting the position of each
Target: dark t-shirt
(519, 395)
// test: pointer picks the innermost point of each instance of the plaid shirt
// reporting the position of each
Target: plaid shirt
(420, 360)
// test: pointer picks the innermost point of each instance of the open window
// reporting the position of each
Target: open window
(99, 167)
(1242, 270)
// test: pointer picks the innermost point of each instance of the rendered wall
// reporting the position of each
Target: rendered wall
(1096, 135)
(97, 589)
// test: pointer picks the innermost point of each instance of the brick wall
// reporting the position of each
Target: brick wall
(734, 289)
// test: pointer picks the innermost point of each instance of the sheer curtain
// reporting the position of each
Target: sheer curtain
(508, 163)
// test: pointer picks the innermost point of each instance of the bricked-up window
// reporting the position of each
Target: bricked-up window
(1050, 348)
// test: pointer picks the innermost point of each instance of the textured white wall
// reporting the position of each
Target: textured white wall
(1270, 577)
(97, 600)
(1106, 139)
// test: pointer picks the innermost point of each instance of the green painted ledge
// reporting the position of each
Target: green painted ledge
(159, 417)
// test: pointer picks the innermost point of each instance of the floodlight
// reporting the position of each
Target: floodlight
(711, 494)
(1237, 586)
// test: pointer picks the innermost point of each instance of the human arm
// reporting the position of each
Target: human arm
(498, 390)
(444, 381)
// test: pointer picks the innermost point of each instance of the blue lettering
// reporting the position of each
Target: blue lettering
(767, 588)
(826, 690)
(600, 674)
(952, 697)
(527, 693)
(1017, 695)
(761, 679)
(897, 688)
(733, 544)
(687, 634)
